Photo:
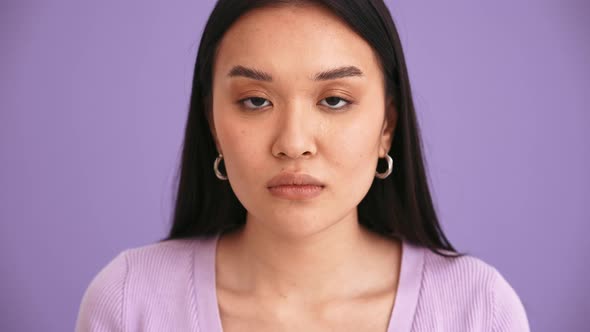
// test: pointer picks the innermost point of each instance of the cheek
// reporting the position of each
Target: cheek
(354, 146)
(243, 155)
(354, 159)
(242, 162)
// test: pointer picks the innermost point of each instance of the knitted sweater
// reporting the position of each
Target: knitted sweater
(170, 286)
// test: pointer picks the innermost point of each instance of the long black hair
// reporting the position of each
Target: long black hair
(399, 206)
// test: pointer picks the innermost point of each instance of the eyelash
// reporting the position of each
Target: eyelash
(348, 103)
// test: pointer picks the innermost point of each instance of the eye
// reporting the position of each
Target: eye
(254, 102)
(336, 102)
(332, 102)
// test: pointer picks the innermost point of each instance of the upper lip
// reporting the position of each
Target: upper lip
(287, 178)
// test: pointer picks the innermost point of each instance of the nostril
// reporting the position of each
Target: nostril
(293, 155)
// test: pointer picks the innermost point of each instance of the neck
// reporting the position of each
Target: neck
(343, 261)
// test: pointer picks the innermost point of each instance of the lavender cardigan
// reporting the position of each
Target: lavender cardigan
(170, 286)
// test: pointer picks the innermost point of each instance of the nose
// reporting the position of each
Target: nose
(295, 136)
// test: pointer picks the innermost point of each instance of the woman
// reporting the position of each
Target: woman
(302, 202)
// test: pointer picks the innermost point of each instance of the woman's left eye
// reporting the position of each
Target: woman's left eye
(336, 102)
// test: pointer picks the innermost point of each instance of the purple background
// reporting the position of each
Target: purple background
(93, 102)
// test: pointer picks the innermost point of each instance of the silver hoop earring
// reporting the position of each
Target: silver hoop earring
(216, 168)
(389, 168)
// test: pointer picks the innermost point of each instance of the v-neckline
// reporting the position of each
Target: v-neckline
(205, 286)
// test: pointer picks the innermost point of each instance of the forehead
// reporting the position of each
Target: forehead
(294, 42)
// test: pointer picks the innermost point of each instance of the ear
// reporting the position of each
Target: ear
(388, 128)
(209, 116)
(214, 135)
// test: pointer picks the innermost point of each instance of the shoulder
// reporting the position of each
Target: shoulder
(473, 292)
(101, 306)
(154, 264)
(159, 259)
(133, 279)
(466, 270)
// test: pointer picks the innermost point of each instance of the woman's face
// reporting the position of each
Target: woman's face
(282, 117)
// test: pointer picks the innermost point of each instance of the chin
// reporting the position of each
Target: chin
(298, 223)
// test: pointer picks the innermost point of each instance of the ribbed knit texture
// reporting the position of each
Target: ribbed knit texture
(170, 286)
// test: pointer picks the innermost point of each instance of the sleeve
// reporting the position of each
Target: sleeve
(508, 311)
(101, 308)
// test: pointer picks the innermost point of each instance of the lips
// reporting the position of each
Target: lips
(295, 186)
(294, 179)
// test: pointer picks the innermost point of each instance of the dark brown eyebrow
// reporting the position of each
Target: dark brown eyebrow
(249, 73)
(341, 72)
(332, 74)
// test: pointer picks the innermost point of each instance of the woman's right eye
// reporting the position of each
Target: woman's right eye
(254, 102)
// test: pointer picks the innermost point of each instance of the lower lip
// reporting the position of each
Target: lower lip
(296, 192)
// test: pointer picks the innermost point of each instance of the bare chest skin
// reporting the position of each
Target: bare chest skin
(369, 311)
(244, 315)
